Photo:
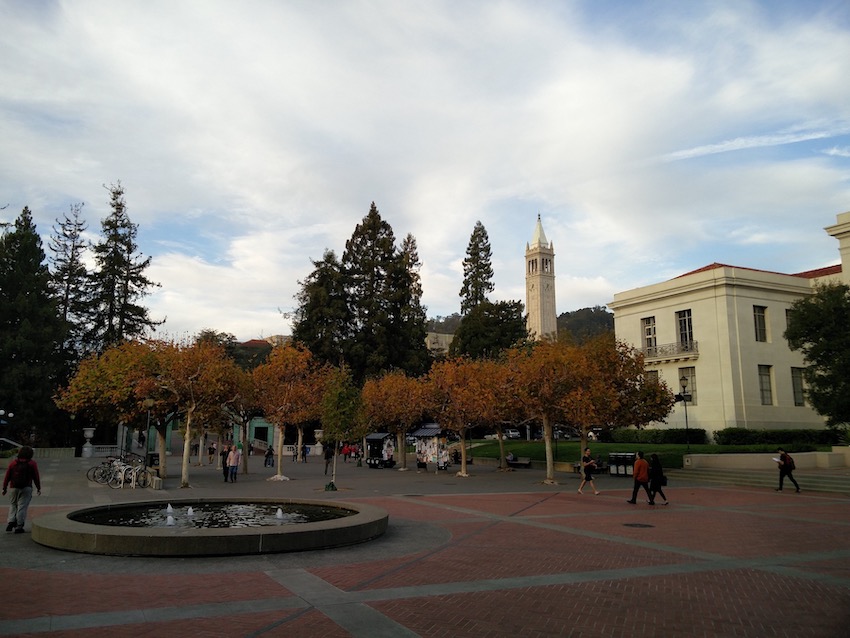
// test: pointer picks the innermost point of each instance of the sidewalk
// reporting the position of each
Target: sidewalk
(496, 554)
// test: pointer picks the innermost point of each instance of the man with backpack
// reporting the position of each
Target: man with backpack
(786, 467)
(20, 476)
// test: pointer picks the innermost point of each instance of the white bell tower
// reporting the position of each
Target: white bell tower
(540, 286)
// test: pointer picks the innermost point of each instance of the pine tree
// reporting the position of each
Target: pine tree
(322, 320)
(70, 278)
(489, 329)
(413, 314)
(31, 336)
(477, 270)
(119, 281)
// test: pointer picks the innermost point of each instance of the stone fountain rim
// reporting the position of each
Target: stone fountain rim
(58, 531)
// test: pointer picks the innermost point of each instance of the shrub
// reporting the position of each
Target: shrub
(791, 438)
(695, 436)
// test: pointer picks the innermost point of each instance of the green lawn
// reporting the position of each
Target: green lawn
(570, 451)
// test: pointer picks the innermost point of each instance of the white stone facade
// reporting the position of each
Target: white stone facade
(722, 327)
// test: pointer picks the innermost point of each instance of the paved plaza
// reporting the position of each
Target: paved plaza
(495, 554)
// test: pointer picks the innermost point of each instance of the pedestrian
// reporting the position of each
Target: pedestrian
(656, 478)
(329, 456)
(233, 463)
(304, 453)
(211, 452)
(588, 465)
(20, 476)
(640, 473)
(269, 460)
(786, 468)
(225, 452)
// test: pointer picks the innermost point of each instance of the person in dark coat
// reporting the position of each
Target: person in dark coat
(20, 476)
(656, 478)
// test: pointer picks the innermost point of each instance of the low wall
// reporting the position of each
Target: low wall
(839, 457)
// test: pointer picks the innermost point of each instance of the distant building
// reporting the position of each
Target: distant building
(438, 343)
(721, 328)
(542, 319)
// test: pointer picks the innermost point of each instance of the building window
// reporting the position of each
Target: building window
(686, 328)
(797, 386)
(760, 318)
(691, 375)
(651, 376)
(649, 342)
(766, 385)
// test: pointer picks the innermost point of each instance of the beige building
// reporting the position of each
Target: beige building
(542, 319)
(721, 328)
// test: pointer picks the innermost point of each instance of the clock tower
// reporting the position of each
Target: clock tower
(540, 286)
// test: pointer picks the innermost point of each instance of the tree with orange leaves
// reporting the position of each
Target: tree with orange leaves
(394, 402)
(461, 393)
(556, 381)
(289, 387)
(199, 380)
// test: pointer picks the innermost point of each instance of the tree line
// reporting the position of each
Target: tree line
(598, 383)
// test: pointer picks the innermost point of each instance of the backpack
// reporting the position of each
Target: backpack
(20, 474)
(789, 463)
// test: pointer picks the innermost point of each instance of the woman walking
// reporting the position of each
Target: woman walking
(588, 465)
(656, 478)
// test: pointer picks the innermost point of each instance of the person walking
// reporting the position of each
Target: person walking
(640, 473)
(656, 478)
(329, 456)
(225, 452)
(20, 476)
(786, 468)
(588, 465)
(269, 460)
(233, 463)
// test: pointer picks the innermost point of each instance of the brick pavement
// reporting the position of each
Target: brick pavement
(498, 554)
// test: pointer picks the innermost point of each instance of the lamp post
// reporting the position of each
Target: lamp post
(685, 396)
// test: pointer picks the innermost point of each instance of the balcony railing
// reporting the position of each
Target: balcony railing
(686, 350)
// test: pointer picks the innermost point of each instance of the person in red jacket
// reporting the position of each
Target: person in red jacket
(20, 475)
(641, 476)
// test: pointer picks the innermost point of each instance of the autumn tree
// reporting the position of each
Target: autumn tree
(289, 389)
(558, 382)
(199, 379)
(394, 402)
(461, 394)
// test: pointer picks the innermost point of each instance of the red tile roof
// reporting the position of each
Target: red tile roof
(807, 274)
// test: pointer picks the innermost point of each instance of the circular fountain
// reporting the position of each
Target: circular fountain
(216, 527)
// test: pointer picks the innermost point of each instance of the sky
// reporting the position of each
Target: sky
(652, 138)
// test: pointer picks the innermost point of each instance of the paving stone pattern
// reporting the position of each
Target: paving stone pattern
(496, 554)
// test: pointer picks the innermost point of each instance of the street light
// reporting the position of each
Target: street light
(685, 396)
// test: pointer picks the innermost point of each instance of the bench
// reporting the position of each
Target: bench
(522, 461)
(600, 468)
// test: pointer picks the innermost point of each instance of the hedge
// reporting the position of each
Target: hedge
(696, 436)
(744, 436)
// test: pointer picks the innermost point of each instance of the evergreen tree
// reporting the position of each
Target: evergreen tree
(477, 270)
(322, 320)
(31, 336)
(819, 327)
(489, 329)
(412, 313)
(70, 278)
(119, 281)
(368, 264)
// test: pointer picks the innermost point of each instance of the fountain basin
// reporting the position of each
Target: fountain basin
(360, 523)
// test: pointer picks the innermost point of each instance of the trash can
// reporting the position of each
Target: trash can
(153, 462)
(621, 463)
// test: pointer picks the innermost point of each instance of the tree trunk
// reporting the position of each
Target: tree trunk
(187, 449)
(547, 439)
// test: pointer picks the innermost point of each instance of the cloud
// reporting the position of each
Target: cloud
(252, 136)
